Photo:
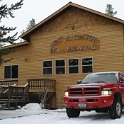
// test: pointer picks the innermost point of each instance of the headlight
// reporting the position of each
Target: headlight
(66, 93)
(106, 92)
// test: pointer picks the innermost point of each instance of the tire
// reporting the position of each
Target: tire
(72, 113)
(116, 109)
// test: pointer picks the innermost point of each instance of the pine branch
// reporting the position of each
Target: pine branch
(5, 30)
(9, 39)
(16, 6)
(5, 11)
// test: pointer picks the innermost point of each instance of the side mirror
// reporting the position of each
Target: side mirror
(79, 81)
(121, 82)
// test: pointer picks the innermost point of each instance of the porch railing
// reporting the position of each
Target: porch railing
(35, 85)
(42, 85)
(8, 82)
(13, 94)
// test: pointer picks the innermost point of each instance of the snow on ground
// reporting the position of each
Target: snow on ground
(33, 114)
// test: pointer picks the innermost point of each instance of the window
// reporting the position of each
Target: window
(60, 66)
(73, 66)
(87, 65)
(47, 67)
(11, 71)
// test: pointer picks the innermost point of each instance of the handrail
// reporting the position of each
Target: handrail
(8, 82)
(26, 84)
(42, 83)
(6, 91)
(6, 88)
(19, 86)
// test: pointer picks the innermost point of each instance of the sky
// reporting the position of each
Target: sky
(33, 114)
(41, 9)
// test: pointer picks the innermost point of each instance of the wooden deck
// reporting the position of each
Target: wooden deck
(11, 92)
(14, 94)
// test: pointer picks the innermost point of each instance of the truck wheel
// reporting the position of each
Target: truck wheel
(116, 109)
(71, 112)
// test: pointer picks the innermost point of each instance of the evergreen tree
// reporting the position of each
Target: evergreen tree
(29, 26)
(110, 10)
(6, 12)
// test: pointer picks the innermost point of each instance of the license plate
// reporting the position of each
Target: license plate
(82, 105)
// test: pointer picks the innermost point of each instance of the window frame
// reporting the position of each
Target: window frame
(11, 73)
(60, 66)
(87, 65)
(47, 67)
(73, 66)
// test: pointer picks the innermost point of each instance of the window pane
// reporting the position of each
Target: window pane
(73, 69)
(87, 69)
(7, 72)
(60, 70)
(47, 63)
(60, 62)
(47, 70)
(73, 62)
(15, 71)
(87, 61)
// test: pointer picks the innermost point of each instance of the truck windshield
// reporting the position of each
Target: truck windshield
(101, 78)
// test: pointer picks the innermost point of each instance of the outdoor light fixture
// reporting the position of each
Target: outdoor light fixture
(26, 59)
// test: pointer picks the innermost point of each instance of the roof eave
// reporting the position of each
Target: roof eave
(27, 34)
(15, 45)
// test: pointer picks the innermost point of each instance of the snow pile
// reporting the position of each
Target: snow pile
(33, 114)
(32, 107)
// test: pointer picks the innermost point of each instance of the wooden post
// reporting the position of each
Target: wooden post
(59, 102)
(9, 100)
(16, 104)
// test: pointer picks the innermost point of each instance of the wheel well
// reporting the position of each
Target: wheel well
(117, 96)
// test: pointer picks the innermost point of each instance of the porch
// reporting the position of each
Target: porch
(12, 92)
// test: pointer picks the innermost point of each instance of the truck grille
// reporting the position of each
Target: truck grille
(84, 91)
(91, 91)
(75, 91)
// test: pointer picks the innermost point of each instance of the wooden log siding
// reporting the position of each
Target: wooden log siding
(39, 85)
(8, 82)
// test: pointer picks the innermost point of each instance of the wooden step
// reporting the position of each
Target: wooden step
(12, 100)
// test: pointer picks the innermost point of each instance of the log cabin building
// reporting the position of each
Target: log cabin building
(62, 49)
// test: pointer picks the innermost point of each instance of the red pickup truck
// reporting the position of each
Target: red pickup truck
(102, 92)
